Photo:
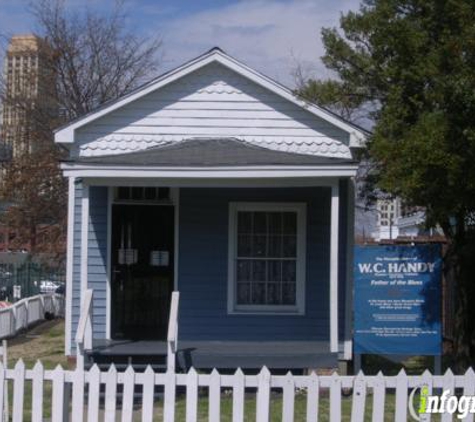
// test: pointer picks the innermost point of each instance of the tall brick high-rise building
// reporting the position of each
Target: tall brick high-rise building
(28, 98)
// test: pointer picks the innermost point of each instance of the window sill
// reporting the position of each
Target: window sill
(267, 312)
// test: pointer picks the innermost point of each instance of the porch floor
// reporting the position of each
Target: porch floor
(224, 354)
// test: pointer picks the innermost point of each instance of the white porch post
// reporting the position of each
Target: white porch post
(69, 265)
(335, 203)
(84, 264)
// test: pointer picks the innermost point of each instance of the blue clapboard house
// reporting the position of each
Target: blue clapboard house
(216, 182)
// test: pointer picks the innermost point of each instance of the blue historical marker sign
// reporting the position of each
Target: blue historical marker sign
(397, 292)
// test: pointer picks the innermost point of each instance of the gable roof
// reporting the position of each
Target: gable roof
(210, 152)
(65, 134)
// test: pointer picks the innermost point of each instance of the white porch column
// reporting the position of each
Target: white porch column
(84, 256)
(335, 203)
(69, 265)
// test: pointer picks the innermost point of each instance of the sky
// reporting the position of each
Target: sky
(272, 36)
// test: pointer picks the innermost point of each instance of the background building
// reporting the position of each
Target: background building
(28, 93)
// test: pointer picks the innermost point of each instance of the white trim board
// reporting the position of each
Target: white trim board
(170, 174)
(334, 241)
(69, 266)
(110, 196)
(66, 134)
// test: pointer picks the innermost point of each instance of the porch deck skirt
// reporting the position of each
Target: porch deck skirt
(226, 354)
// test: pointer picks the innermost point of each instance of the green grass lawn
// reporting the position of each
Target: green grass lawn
(46, 343)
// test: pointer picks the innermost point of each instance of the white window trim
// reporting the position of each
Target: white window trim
(301, 209)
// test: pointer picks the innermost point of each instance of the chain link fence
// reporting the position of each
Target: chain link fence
(21, 276)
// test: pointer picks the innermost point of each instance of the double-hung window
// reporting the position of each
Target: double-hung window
(266, 257)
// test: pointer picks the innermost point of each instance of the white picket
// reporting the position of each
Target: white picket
(379, 398)
(427, 382)
(238, 396)
(288, 398)
(111, 395)
(263, 396)
(401, 396)
(3, 389)
(18, 391)
(128, 395)
(264, 381)
(469, 390)
(359, 398)
(312, 398)
(335, 397)
(448, 384)
(170, 395)
(37, 393)
(214, 408)
(94, 382)
(58, 395)
(77, 412)
(192, 396)
(148, 394)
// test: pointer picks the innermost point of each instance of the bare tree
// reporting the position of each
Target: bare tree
(91, 58)
(96, 59)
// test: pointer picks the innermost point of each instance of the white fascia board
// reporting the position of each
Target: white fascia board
(357, 137)
(208, 173)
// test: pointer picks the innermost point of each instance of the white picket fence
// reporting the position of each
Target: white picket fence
(94, 395)
(29, 311)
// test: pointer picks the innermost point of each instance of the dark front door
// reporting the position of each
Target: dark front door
(142, 270)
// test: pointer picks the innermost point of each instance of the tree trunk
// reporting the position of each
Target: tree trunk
(460, 269)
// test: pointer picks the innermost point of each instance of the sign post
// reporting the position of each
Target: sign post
(397, 300)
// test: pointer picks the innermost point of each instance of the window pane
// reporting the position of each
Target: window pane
(259, 244)
(274, 271)
(163, 193)
(275, 247)
(274, 294)
(288, 294)
(244, 222)
(289, 272)
(290, 246)
(290, 222)
(275, 222)
(258, 270)
(258, 296)
(243, 293)
(244, 246)
(137, 193)
(260, 223)
(123, 193)
(150, 193)
(244, 267)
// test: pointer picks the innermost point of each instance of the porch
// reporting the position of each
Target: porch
(252, 355)
(300, 326)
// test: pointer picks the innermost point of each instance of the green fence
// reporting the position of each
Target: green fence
(19, 280)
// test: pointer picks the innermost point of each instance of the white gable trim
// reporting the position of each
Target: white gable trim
(65, 135)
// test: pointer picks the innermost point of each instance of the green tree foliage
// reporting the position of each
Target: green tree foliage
(414, 62)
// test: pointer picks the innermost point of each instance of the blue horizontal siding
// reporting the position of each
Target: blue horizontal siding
(97, 259)
(203, 268)
(203, 257)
